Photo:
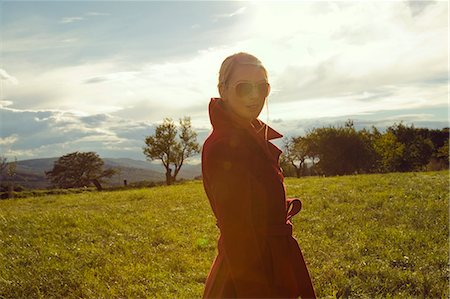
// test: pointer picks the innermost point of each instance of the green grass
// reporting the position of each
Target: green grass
(364, 236)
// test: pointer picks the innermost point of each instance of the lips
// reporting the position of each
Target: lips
(252, 107)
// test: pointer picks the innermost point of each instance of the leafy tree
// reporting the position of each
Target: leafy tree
(286, 166)
(418, 148)
(79, 169)
(10, 172)
(313, 153)
(296, 153)
(171, 149)
(390, 151)
(443, 151)
(440, 158)
(342, 150)
(436, 136)
(11, 169)
(3, 164)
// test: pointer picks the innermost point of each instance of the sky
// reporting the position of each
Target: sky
(99, 76)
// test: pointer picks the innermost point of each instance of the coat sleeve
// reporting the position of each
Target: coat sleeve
(231, 183)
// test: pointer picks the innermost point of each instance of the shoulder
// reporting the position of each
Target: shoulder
(225, 141)
(225, 144)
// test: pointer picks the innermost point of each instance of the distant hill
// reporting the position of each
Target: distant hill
(31, 173)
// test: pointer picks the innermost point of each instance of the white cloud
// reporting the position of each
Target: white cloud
(7, 77)
(30, 134)
(417, 7)
(119, 76)
(320, 56)
(94, 13)
(39, 42)
(149, 92)
(399, 99)
(69, 40)
(68, 20)
(5, 103)
(9, 140)
(239, 11)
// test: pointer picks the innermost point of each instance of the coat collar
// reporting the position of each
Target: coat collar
(221, 118)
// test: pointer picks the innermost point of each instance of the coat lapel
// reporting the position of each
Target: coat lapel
(261, 133)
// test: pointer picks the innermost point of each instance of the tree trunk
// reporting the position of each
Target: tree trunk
(297, 171)
(10, 191)
(177, 170)
(169, 176)
(97, 185)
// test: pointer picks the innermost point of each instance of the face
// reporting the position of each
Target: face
(244, 99)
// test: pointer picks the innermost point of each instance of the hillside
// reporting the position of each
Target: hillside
(363, 236)
(31, 173)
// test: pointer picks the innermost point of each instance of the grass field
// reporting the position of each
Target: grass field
(364, 236)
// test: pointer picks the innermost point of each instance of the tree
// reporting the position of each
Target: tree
(79, 169)
(341, 150)
(10, 172)
(296, 153)
(170, 149)
(286, 167)
(3, 164)
(443, 152)
(418, 147)
(390, 151)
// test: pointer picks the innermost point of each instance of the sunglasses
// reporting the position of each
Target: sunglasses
(245, 89)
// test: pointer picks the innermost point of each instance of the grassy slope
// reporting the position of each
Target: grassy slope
(364, 236)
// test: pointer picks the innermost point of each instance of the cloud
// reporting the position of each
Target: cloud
(69, 40)
(146, 92)
(8, 140)
(31, 134)
(93, 13)
(352, 72)
(345, 50)
(418, 7)
(95, 120)
(7, 77)
(68, 20)
(5, 103)
(229, 15)
(387, 98)
(112, 77)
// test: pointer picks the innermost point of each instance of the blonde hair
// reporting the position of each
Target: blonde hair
(229, 64)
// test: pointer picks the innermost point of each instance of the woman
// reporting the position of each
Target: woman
(258, 257)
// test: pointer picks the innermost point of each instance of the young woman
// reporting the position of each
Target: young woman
(258, 257)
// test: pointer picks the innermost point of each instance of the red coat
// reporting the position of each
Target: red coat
(258, 257)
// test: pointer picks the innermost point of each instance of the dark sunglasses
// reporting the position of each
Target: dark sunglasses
(245, 89)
